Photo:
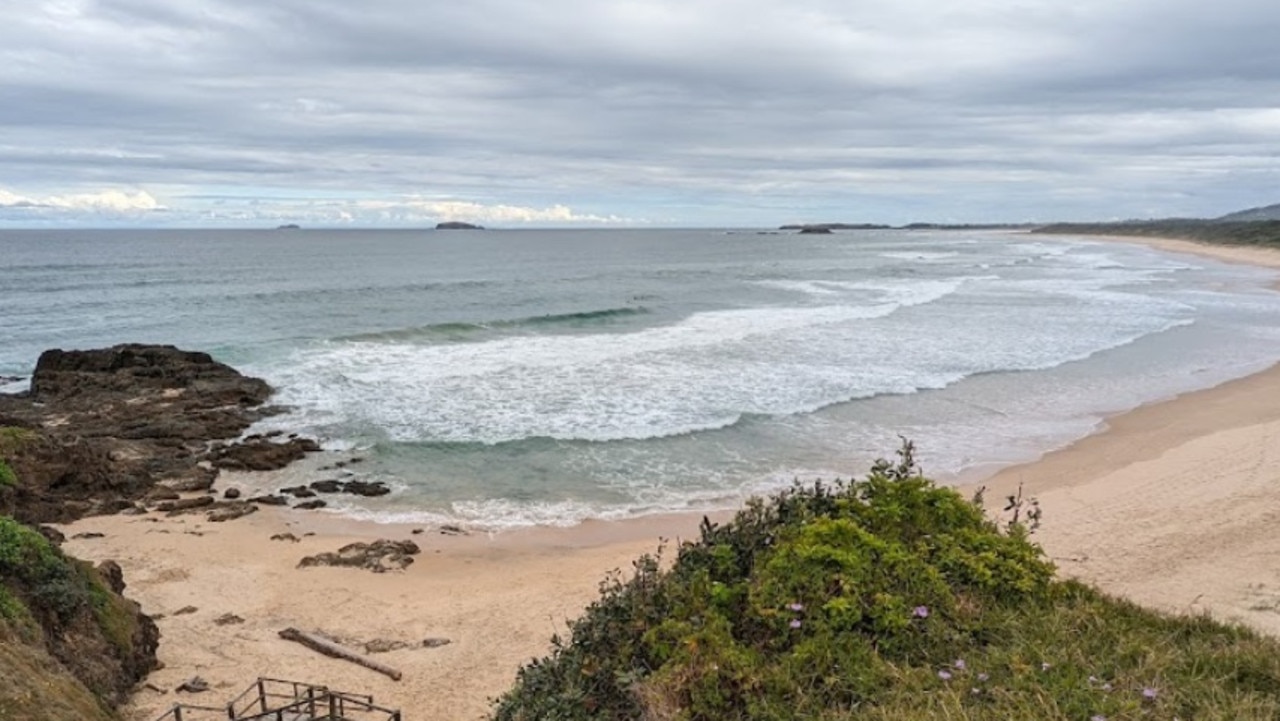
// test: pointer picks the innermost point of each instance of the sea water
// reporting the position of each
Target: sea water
(507, 378)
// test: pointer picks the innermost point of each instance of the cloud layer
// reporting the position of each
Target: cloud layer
(689, 112)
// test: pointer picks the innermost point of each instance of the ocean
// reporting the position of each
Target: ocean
(507, 378)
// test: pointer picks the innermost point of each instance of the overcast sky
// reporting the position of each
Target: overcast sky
(649, 112)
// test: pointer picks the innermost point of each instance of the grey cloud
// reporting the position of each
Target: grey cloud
(653, 109)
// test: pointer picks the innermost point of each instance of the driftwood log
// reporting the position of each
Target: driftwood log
(329, 648)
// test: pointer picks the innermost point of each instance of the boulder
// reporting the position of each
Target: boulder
(261, 454)
(380, 556)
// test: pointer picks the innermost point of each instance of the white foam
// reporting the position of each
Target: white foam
(917, 255)
(702, 373)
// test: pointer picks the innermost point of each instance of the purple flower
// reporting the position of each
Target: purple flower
(959, 664)
(945, 675)
(983, 678)
(795, 623)
(1045, 666)
(921, 612)
(1106, 687)
(797, 607)
(1098, 717)
(1149, 693)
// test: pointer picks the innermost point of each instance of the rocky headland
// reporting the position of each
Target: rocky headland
(129, 427)
(125, 429)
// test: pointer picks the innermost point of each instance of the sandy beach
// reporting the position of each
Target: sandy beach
(1173, 505)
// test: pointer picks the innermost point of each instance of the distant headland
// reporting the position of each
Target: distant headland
(457, 225)
(828, 227)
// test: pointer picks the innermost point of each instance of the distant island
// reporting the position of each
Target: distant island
(289, 226)
(828, 227)
(457, 225)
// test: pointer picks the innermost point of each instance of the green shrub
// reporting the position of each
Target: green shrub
(13, 438)
(53, 582)
(890, 598)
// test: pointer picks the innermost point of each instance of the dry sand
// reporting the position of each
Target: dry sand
(1174, 505)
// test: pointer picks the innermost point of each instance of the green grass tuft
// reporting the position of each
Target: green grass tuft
(887, 598)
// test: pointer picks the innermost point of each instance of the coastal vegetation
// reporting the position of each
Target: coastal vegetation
(1258, 232)
(70, 646)
(885, 598)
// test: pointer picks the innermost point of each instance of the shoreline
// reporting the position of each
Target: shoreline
(1170, 504)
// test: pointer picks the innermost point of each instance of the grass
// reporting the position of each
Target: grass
(34, 687)
(12, 439)
(887, 598)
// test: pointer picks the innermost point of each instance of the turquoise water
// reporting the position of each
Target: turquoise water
(504, 378)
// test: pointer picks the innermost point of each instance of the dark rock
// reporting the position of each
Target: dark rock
(231, 511)
(449, 529)
(195, 684)
(231, 494)
(113, 575)
(299, 492)
(185, 504)
(128, 369)
(327, 486)
(261, 454)
(286, 537)
(227, 619)
(197, 478)
(108, 506)
(368, 489)
(270, 500)
(89, 535)
(107, 425)
(161, 493)
(416, 531)
(54, 536)
(185, 610)
(379, 556)
(311, 505)
(435, 642)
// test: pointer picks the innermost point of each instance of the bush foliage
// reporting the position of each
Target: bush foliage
(885, 598)
(1265, 233)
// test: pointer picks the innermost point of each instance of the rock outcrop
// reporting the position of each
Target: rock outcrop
(101, 429)
(380, 556)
